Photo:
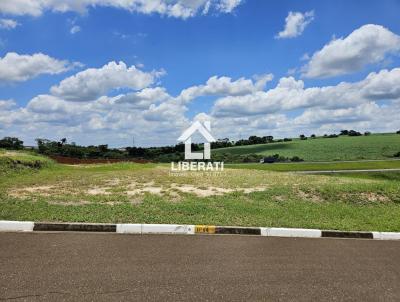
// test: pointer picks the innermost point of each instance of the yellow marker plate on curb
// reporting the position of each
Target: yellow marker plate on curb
(209, 229)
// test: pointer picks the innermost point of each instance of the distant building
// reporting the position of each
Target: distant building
(30, 147)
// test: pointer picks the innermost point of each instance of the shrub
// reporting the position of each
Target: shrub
(296, 159)
(277, 158)
(398, 132)
(366, 133)
(397, 154)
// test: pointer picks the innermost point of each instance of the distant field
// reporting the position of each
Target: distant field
(147, 193)
(324, 166)
(377, 146)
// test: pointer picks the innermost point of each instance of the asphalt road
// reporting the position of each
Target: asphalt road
(112, 267)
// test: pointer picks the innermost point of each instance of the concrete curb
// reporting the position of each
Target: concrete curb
(181, 229)
(74, 227)
(16, 226)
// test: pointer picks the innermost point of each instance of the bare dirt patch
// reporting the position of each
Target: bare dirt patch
(200, 191)
(310, 196)
(374, 197)
(98, 191)
(23, 192)
(171, 191)
(151, 190)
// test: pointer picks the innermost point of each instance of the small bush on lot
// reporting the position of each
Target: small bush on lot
(277, 158)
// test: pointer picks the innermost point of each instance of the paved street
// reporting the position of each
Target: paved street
(112, 267)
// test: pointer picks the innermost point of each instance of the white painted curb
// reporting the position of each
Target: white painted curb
(284, 232)
(129, 228)
(16, 226)
(155, 229)
(386, 235)
(166, 229)
(180, 229)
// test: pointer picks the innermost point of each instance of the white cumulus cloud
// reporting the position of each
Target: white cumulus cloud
(290, 94)
(17, 68)
(91, 83)
(221, 86)
(7, 104)
(366, 45)
(245, 107)
(8, 24)
(295, 23)
(171, 8)
(75, 29)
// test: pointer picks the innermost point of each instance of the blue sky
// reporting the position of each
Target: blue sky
(234, 39)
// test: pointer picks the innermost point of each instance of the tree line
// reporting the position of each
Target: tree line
(159, 154)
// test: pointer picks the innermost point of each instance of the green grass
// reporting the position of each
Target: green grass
(304, 166)
(257, 210)
(12, 162)
(376, 146)
(65, 193)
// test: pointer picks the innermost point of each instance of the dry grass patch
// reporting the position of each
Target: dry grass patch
(133, 185)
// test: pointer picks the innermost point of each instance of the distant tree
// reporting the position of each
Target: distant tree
(303, 137)
(61, 142)
(12, 143)
(344, 132)
(103, 148)
(398, 132)
(221, 143)
(313, 136)
(366, 133)
(354, 133)
(254, 139)
(269, 138)
(287, 139)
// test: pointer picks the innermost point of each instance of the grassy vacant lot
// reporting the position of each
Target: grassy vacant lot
(376, 146)
(147, 193)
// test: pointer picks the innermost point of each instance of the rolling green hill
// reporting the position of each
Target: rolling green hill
(376, 146)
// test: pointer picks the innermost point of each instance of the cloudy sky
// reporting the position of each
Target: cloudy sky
(104, 71)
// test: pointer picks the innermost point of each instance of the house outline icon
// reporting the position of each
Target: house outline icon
(186, 137)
